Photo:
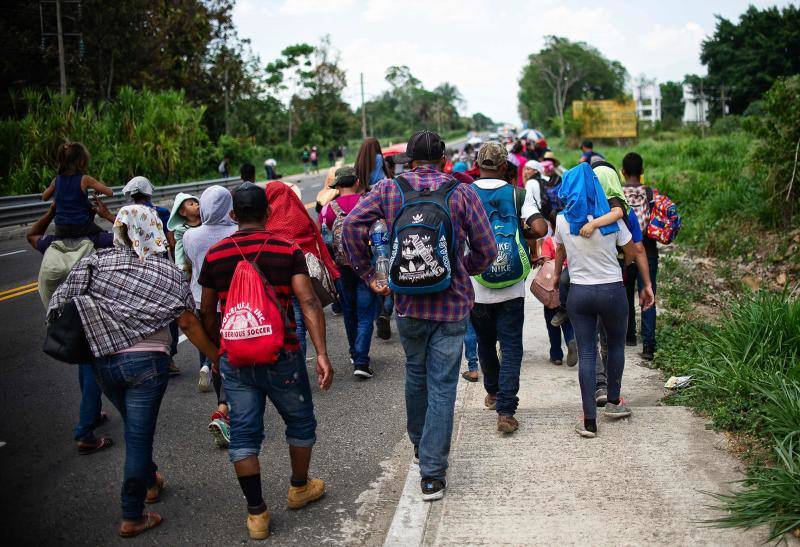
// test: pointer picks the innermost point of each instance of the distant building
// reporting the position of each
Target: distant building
(695, 108)
(647, 94)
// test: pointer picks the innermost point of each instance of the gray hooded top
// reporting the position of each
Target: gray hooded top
(216, 204)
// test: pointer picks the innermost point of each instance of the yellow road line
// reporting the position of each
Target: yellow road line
(310, 205)
(35, 284)
(21, 293)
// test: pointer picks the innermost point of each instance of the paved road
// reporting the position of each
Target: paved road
(50, 495)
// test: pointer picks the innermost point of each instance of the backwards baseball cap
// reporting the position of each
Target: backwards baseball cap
(138, 185)
(344, 176)
(423, 145)
(249, 199)
(492, 155)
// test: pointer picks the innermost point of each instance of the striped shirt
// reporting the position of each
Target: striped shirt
(470, 228)
(279, 261)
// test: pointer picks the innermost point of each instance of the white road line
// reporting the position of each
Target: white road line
(14, 252)
(182, 338)
(411, 515)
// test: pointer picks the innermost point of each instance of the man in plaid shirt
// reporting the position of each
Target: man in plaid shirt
(431, 326)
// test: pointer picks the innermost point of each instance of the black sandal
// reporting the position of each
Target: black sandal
(469, 378)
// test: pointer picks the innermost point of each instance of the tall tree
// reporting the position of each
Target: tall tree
(562, 72)
(745, 59)
(671, 104)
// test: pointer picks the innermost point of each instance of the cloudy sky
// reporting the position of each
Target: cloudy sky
(481, 45)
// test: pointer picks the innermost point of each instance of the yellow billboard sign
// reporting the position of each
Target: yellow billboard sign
(606, 118)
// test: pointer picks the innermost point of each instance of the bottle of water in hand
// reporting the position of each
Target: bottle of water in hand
(379, 235)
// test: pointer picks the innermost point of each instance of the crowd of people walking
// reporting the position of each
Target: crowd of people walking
(444, 241)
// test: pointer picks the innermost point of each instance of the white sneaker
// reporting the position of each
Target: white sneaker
(204, 383)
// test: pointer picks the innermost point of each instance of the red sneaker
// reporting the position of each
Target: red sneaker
(217, 415)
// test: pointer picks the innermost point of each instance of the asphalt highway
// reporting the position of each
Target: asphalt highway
(50, 495)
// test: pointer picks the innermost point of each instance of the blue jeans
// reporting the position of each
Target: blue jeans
(173, 330)
(433, 359)
(387, 305)
(634, 281)
(91, 404)
(471, 348)
(360, 308)
(135, 384)
(300, 325)
(285, 383)
(586, 305)
(554, 333)
(501, 322)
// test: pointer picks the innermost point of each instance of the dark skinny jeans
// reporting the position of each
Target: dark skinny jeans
(586, 305)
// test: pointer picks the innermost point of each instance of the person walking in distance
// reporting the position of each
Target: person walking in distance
(433, 293)
(305, 157)
(359, 303)
(499, 311)
(216, 205)
(280, 375)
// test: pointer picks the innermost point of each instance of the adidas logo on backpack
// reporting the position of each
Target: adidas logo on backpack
(423, 249)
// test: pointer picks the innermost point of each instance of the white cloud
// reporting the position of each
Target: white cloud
(314, 7)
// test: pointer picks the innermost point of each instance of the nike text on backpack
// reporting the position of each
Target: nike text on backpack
(640, 199)
(513, 263)
(665, 222)
(544, 288)
(339, 253)
(253, 322)
(423, 249)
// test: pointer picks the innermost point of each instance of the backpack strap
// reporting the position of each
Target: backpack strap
(271, 293)
(337, 209)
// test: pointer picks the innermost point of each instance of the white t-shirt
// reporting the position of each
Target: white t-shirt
(485, 295)
(592, 261)
(533, 199)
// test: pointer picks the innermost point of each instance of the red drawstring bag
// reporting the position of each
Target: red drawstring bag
(253, 322)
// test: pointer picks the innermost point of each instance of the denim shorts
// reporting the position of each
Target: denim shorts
(286, 385)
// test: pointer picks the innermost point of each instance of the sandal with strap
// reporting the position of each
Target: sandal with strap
(468, 377)
(154, 492)
(149, 520)
(100, 443)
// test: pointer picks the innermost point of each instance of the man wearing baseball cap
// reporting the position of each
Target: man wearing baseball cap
(431, 326)
(499, 312)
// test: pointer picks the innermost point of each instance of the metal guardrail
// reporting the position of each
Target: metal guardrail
(20, 210)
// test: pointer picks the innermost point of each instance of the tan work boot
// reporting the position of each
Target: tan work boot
(490, 401)
(258, 525)
(507, 424)
(300, 496)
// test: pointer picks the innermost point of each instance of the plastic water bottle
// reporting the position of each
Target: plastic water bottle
(327, 235)
(379, 235)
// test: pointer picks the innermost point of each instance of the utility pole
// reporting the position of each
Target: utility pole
(702, 111)
(62, 71)
(227, 100)
(363, 110)
(724, 106)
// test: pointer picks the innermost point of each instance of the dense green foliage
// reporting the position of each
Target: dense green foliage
(407, 104)
(562, 72)
(777, 151)
(747, 57)
(746, 377)
(159, 135)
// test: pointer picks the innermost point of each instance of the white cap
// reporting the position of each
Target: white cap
(533, 164)
(138, 185)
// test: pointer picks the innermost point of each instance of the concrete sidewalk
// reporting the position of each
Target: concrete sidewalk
(638, 483)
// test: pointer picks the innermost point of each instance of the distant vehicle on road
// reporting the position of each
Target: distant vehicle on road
(493, 137)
